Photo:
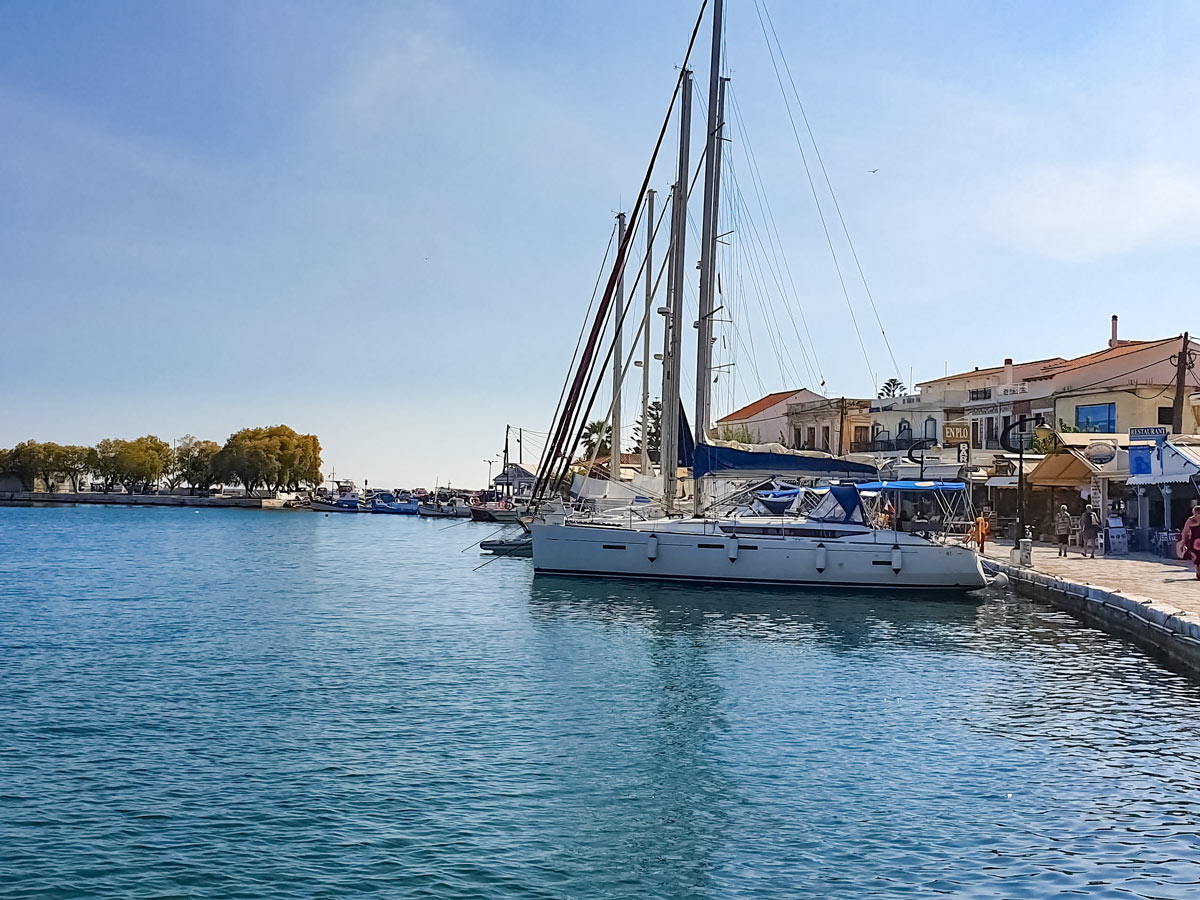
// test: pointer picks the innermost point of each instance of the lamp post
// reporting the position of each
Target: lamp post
(1042, 430)
(921, 444)
(489, 462)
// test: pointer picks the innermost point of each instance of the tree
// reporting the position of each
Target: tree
(893, 387)
(276, 457)
(74, 463)
(24, 461)
(102, 459)
(194, 462)
(141, 462)
(596, 439)
(740, 433)
(653, 431)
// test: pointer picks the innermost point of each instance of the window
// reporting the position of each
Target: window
(1100, 417)
(904, 430)
(797, 441)
(1166, 415)
(861, 434)
(931, 428)
(811, 442)
(979, 394)
(825, 438)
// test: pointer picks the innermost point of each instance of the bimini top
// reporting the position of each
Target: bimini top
(841, 504)
(948, 486)
(732, 459)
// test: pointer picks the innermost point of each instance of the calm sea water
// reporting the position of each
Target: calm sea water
(255, 704)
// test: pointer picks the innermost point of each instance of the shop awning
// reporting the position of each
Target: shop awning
(1176, 464)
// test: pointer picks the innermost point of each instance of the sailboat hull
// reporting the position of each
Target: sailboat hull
(873, 560)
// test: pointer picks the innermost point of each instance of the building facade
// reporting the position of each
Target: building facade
(764, 420)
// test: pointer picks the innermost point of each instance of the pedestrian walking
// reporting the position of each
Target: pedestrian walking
(1089, 529)
(980, 531)
(1062, 529)
(1189, 544)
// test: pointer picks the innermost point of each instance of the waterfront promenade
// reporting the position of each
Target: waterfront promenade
(1153, 601)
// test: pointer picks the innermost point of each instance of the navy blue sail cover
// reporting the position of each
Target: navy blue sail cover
(711, 460)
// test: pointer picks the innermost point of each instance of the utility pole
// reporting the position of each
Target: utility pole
(673, 340)
(614, 450)
(1182, 364)
(708, 239)
(646, 332)
(842, 429)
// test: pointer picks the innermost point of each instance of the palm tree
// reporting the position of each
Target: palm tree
(893, 387)
(596, 433)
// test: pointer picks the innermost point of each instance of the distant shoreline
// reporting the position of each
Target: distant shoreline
(15, 498)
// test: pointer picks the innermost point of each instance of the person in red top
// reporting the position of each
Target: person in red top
(1189, 544)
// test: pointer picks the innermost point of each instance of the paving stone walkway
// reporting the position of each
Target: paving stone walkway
(1136, 574)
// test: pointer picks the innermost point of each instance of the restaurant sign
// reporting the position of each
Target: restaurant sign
(1100, 452)
(1156, 433)
(956, 433)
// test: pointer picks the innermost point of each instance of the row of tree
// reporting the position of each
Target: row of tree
(274, 458)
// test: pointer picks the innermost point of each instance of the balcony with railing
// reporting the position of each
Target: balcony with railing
(976, 394)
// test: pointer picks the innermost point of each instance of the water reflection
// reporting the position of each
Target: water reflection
(839, 620)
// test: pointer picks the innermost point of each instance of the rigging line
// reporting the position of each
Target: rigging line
(768, 312)
(764, 200)
(736, 189)
(769, 308)
(580, 423)
(833, 195)
(614, 444)
(813, 187)
(757, 293)
(601, 314)
(583, 328)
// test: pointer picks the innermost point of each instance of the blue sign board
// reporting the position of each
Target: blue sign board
(1156, 433)
(1140, 460)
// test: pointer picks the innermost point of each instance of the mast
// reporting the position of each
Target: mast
(618, 311)
(708, 239)
(673, 336)
(646, 331)
(507, 477)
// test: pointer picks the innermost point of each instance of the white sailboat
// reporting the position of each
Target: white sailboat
(835, 545)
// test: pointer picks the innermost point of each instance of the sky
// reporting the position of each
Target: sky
(382, 222)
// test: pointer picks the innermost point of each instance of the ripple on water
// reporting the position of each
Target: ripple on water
(244, 704)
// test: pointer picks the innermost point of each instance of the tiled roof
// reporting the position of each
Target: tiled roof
(1019, 370)
(1124, 348)
(753, 409)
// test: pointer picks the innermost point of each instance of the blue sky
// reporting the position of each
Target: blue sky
(381, 221)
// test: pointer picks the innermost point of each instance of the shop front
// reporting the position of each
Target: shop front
(1088, 469)
(1164, 472)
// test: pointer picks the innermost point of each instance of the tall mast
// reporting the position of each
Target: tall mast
(507, 476)
(708, 242)
(618, 311)
(646, 331)
(675, 287)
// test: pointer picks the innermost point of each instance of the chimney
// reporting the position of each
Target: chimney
(1008, 371)
(1112, 341)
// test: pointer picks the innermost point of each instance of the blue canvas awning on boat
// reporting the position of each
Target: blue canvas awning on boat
(913, 486)
(841, 504)
(710, 459)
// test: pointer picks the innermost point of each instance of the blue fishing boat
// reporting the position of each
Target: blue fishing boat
(387, 502)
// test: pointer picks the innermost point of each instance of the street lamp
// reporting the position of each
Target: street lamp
(489, 464)
(921, 444)
(1041, 430)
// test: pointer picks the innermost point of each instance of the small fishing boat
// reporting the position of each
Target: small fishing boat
(452, 508)
(346, 503)
(520, 545)
(387, 502)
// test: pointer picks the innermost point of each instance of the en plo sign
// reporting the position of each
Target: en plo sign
(956, 433)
